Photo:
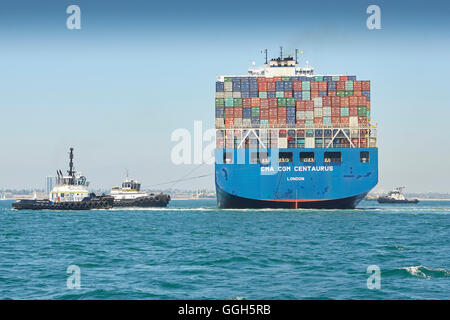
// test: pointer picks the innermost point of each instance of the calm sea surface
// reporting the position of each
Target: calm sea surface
(192, 250)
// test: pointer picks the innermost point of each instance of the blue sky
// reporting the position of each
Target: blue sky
(137, 70)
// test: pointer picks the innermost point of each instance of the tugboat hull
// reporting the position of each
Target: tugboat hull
(385, 200)
(144, 202)
(102, 202)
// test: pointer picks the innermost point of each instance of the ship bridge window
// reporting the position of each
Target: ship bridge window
(364, 156)
(285, 157)
(307, 157)
(228, 157)
(334, 157)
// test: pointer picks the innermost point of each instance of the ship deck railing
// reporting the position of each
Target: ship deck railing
(362, 136)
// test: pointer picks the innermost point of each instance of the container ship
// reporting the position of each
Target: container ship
(288, 138)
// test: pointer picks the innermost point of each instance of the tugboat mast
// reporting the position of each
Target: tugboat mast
(70, 171)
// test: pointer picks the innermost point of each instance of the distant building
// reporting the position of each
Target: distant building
(50, 183)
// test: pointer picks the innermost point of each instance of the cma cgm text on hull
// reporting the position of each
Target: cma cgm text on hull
(286, 138)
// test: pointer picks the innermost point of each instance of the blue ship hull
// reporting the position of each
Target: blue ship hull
(320, 184)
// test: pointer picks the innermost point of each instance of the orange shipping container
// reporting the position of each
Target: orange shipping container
(365, 85)
(344, 102)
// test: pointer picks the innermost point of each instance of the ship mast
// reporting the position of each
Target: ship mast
(71, 171)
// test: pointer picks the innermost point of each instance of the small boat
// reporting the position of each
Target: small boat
(70, 193)
(396, 196)
(130, 195)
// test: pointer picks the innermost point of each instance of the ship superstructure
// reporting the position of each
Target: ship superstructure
(289, 138)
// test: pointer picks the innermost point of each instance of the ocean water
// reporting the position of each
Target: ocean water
(192, 250)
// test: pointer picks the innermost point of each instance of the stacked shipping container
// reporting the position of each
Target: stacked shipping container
(298, 104)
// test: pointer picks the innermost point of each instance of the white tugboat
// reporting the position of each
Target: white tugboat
(130, 195)
(70, 193)
(396, 196)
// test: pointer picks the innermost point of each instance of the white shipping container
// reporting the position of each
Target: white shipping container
(220, 123)
(228, 94)
(309, 115)
(247, 123)
(309, 142)
(353, 122)
(228, 86)
(220, 94)
(282, 142)
(236, 94)
(317, 102)
(326, 111)
(318, 112)
(238, 122)
(300, 115)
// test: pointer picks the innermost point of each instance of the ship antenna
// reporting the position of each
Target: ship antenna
(281, 52)
(265, 51)
(296, 53)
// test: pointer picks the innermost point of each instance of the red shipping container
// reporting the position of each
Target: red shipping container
(264, 103)
(300, 105)
(262, 86)
(318, 122)
(309, 105)
(229, 112)
(314, 94)
(362, 101)
(340, 85)
(273, 102)
(273, 113)
(314, 85)
(365, 85)
(344, 102)
(332, 93)
(297, 85)
(335, 101)
(353, 101)
(271, 86)
(237, 112)
(288, 94)
(343, 78)
(353, 111)
(277, 79)
(282, 111)
(261, 79)
(273, 122)
(323, 86)
(255, 102)
(362, 120)
(246, 102)
(357, 86)
(344, 121)
(264, 114)
(335, 120)
(326, 101)
(300, 124)
(335, 111)
(357, 93)
(229, 123)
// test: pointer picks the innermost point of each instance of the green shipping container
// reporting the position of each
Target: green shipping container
(340, 93)
(263, 95)
(220, 102)
(306, 95)
(228, 79)
(348, 93)
(282, 102)
(362, 111)
(290, 102)
(279, 94)
(306, 85)
(318, 78)
(229, 102)
(344, 112)
(238, 102)
(349, 85)
(335, 78)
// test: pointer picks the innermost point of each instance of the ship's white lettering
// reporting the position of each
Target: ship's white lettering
(299, 169)
(295, 179)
